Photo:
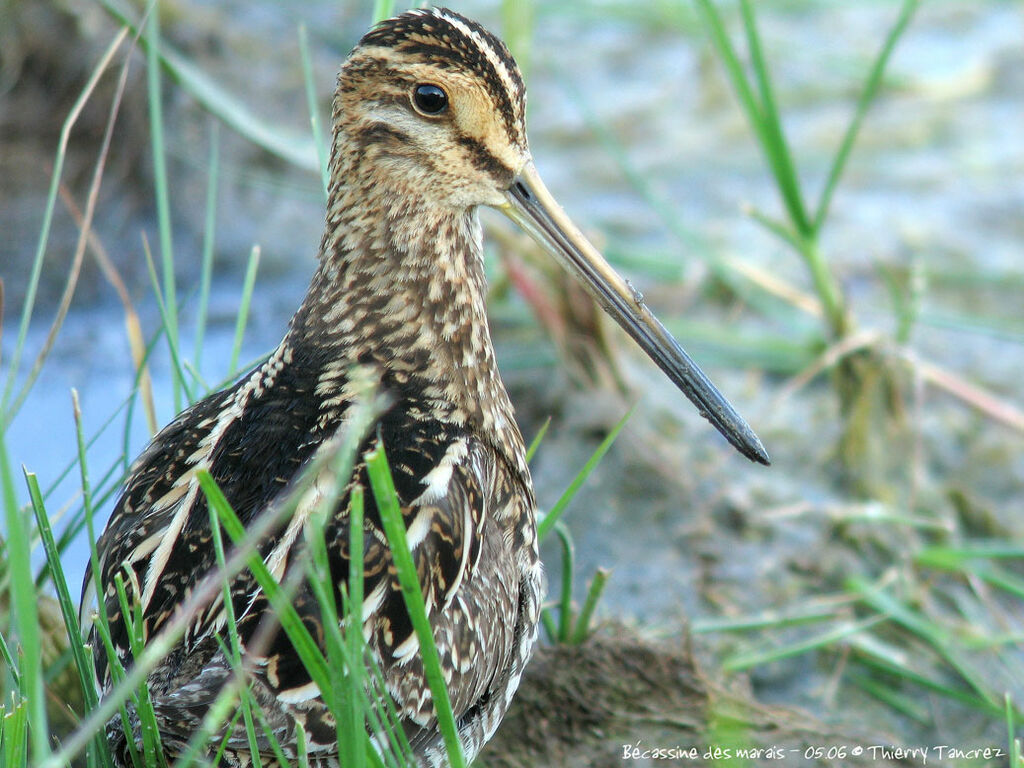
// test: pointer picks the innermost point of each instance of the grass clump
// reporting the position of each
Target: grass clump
(865, 377)
(913, 625)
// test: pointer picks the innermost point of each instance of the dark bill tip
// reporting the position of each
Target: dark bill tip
(532, 207)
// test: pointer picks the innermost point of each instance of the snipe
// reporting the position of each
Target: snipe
(428, 125)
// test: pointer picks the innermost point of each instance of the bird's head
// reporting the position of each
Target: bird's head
(435, 104)
(431, 107)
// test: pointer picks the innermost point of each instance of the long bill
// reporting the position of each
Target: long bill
(532, 207)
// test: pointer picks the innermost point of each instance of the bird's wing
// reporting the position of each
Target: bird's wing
(441, 479)
(253, 438)
(255, 441)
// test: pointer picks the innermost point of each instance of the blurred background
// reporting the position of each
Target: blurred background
(832, 227)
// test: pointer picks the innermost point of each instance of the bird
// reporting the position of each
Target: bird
(429, 125)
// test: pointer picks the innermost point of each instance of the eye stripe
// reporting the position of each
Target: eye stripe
(382, 133)
(485, 161)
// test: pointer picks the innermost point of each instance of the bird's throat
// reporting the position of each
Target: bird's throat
(404, 293)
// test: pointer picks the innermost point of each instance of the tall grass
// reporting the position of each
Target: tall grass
(871, 621)
(861, 377)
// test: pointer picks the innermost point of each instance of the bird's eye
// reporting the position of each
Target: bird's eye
(430, 99)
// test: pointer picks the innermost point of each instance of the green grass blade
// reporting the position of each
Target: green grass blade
(219, 715)
(291, 623)
(909, 706)
(83, 465)
(161, 183)
(354, 610)
(8, 658)
(269, 736)
(842, 630)
(113, 700)
(383, 9)
(164, 641)
(957, 558)
(548, 521)
(92, 576)
(243, 309)
(14, 727)
(67, 608)
(153, 754)
(394, 526)
(209, 238)
(25, 617)
(827, 288)
(341, 461)
(187, 760)
(766, 124)
(998, 577)
(346, 696)
(1011, 733)
(300, 746)
(314, 111)
(965, 560)
(864, 103)
(597, 586)
(317, 666)
(290, 146)
(165, 317)
(234, 642)
(338, 661)
(140, 373)
(775, 619)
(936, 636)
(517, 31)
(70, 465)
(777, 228)
(548, 622)
(770, 132)
(280, 598)
(731, 61)
(6, 412)
(568, 571)
(78, 521)
(538, 438)
(876, 656)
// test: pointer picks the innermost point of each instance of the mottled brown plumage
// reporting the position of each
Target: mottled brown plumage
(428, 125)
